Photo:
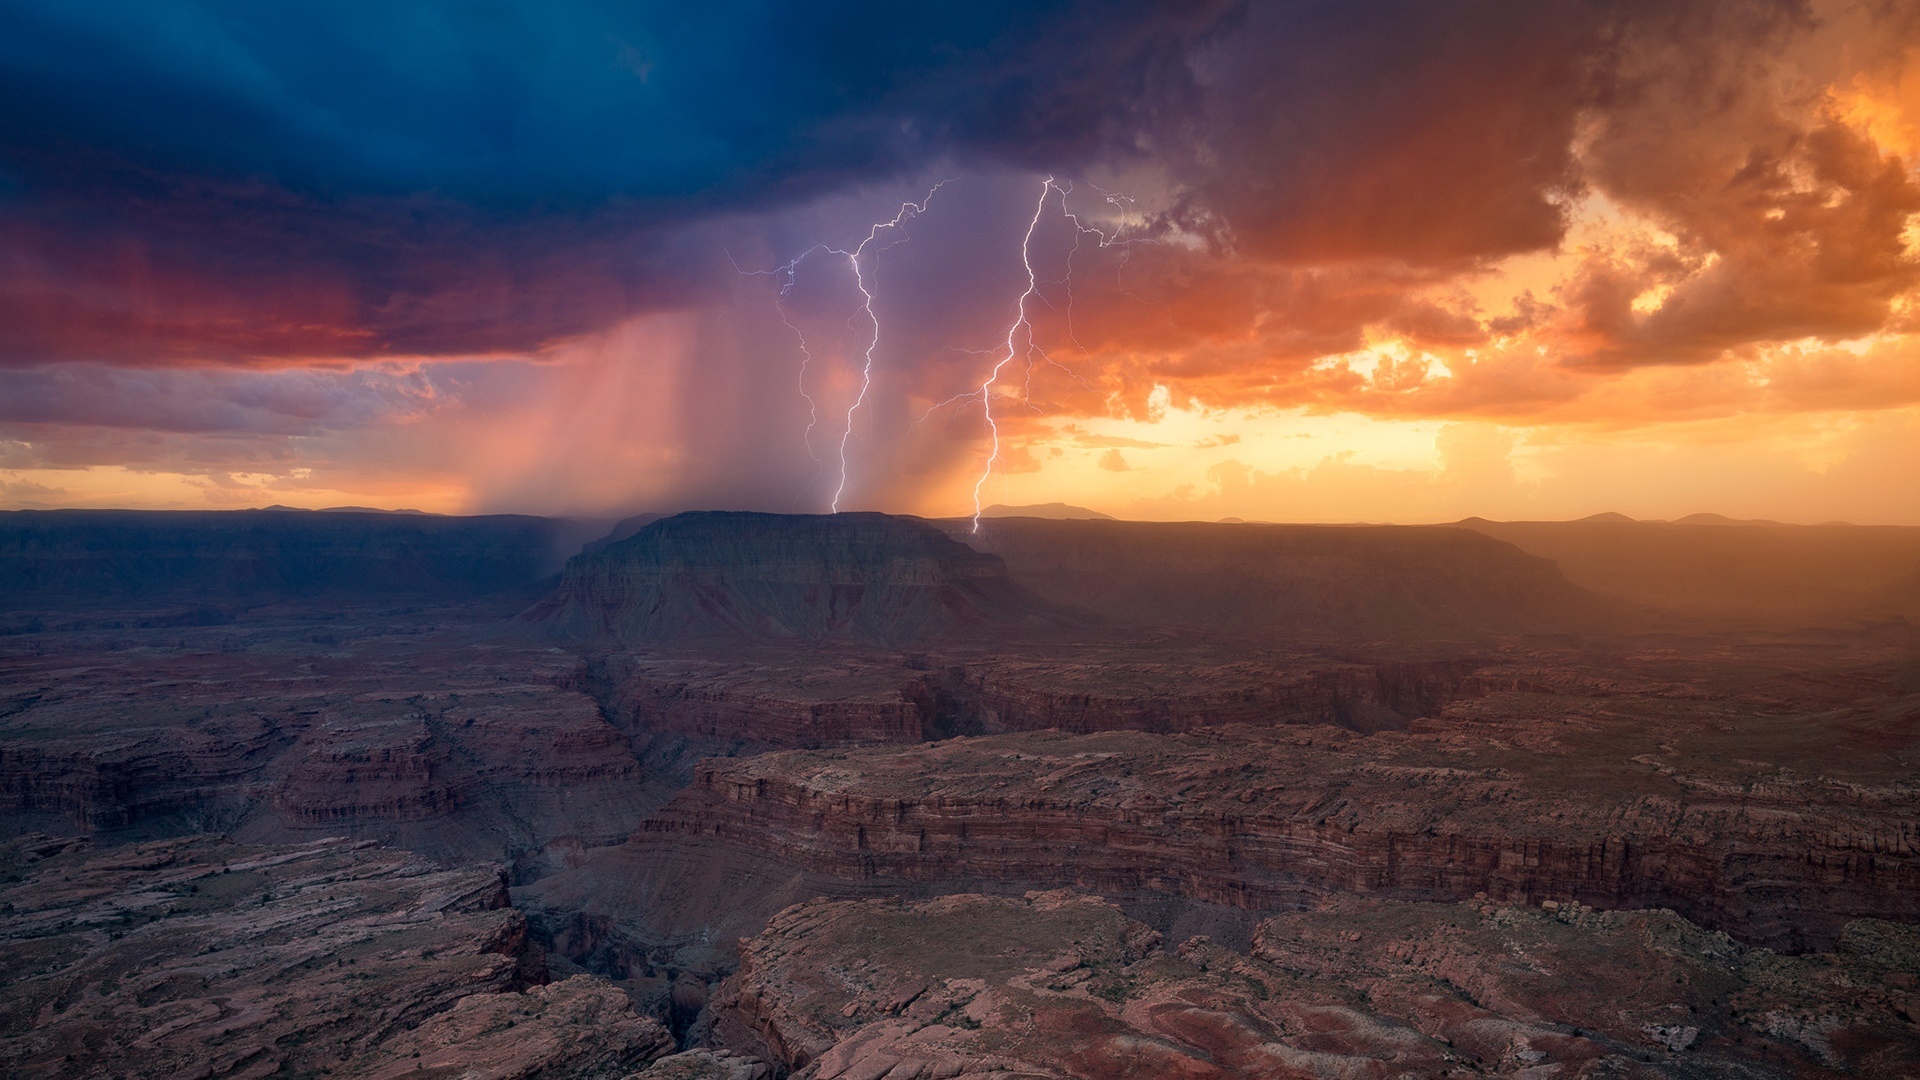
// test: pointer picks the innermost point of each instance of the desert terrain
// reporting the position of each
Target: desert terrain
(755, 796)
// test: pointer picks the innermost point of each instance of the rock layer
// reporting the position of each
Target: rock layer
(778, 699)
(1060, 985)
(203, 957)
(1267, 819)
(464, 753)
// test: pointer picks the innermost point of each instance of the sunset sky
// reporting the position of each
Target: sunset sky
(1338, 261)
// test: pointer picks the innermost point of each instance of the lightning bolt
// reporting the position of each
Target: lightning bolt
(1124, 205)
(1020, 343)
(1020, 322)
(907, 211)
(787, 271)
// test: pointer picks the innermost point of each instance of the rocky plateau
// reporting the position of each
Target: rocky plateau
(1058, 985)
(202, 957)
(745, 796)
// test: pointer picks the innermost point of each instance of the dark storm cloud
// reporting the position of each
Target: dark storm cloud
(188, 180)
(1409, 130)
(514, 106)
(237, 180)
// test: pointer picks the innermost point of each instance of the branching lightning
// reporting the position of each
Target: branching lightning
(1020, 323)
(1019, 344)
(907, 212)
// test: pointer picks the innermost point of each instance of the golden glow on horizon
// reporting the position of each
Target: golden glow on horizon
(119, 487)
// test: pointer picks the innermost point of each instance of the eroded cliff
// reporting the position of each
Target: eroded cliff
(203, 957)
(1060, 985)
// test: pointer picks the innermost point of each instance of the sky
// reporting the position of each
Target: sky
(1405, 260)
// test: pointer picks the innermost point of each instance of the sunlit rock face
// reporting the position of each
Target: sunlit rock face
(866, 577)
(1262, 820)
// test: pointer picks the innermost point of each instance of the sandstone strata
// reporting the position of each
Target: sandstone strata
(461, 752)
(1060, 985)
(201, 957)
(1268, 819)
(781, 698)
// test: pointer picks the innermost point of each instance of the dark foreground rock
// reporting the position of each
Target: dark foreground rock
(1062, 985)
(201, 958)
(463, 753)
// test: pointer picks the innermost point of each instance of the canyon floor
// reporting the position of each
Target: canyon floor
(866, 796)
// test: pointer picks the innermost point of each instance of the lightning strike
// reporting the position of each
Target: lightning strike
(907, 212)
(1020, 322)
(1020, 343)
(787, 272)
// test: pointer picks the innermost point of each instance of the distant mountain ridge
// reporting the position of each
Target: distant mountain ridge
(82, 558)
(1276, 579)
(1056, 511)
(1707, 564)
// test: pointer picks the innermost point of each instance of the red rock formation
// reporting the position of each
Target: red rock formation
(356, 773)
(773, 698)
(1058, 986)
(203, 957)
(1276, 818)
(460, 752)
(1082, 698)
(776, 701)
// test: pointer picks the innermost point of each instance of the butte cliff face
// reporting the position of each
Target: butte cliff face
(872, 578)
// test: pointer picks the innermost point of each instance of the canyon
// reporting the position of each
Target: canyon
(202, 955)
(710, 755)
